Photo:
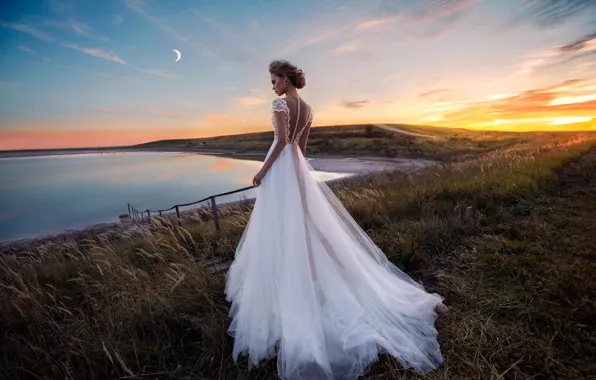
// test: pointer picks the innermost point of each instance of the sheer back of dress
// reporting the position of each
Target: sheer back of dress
(299, 120)
(298, 117)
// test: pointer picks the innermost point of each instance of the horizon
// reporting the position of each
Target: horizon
(107, 147)
(103, 75)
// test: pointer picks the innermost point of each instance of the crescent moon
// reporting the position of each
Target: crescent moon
(177, 53)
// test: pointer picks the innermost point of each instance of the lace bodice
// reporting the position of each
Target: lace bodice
(280, 105)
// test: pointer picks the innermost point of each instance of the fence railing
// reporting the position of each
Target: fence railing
(135, 214)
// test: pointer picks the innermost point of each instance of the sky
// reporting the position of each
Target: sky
(80, 73)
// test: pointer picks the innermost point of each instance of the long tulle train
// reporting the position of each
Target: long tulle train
(309, 286)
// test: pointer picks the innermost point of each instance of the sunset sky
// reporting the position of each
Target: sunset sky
(102, 73)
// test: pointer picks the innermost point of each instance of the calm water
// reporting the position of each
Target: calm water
(48, 194)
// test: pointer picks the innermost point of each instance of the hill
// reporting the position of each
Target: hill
(387, 140)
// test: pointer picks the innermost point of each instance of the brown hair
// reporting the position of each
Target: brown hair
(287, 69)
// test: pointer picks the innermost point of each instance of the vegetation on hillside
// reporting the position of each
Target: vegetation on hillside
(443, 144)
(507, 239)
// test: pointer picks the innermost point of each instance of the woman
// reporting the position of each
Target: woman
(307, 283)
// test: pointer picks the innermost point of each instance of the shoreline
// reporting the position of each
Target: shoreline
(326, 163)
(352, 166)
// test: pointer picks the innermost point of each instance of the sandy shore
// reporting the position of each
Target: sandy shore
(367, 164)
(344, 165)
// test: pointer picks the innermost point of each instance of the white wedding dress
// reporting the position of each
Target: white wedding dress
(308, 285)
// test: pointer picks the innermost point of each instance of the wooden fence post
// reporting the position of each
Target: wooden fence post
(142, 218)
(215, 216)
(130, 216)
(178, 214)
(159, 212)
(149, 215)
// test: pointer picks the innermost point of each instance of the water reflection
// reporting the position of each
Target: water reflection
(47, 194)
(221, 166)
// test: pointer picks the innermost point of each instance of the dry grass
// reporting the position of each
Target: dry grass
(444, 144)
(505, 238)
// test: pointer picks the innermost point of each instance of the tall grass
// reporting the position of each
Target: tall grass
(147, 305)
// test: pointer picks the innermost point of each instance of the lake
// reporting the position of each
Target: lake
(49, 194)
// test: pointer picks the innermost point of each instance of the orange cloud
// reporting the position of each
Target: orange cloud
(572, 102)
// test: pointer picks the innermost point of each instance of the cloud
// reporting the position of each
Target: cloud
(427, 19)
(374, 23)
(355, 45)
(94, 52)
(587, 42)
(251, 101)
(158, 72)
(354, 104)
(118, 19)
(567, 102)
(347, 47)
(26, 49)
(30, 30)
(426, 10)
(98, 53)
(583, 47)
(138, 6)
(434, 92)
(79, 28)
(84, 30)
(162, 112)
(546, 13)
(296, 44)
(236, 49)
(106, 109)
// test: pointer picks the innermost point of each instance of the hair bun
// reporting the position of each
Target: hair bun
(287, 69)
(299, 79)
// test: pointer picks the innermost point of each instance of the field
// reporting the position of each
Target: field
(387, 140)
(503, 230)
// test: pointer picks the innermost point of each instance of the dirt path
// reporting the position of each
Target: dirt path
(392, 128)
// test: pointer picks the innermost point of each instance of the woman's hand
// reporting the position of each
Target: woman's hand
(256, 181)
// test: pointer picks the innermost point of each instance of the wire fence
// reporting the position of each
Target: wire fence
(137, 215)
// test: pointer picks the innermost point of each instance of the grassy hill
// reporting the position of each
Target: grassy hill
(506, 238)
(373, 140)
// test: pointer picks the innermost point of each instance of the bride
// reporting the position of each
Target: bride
(307, 284)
